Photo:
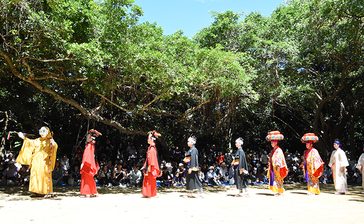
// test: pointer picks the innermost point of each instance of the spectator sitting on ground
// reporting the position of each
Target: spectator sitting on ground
(223, 173)
(57, 174)
(104, 176)
(24, 175)
(135, 177)
(10, 174)
(211, 177)
(119, 176)
(180, 179)
(65, 163)
(74, 176)
(166, 179)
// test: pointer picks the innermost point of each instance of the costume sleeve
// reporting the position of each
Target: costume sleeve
(242, 161)
(54, 155)
(194, 158)
(317, 164)
(26, 152)
(280, 161)
(332, 159)
(343, 159)
(360, 164)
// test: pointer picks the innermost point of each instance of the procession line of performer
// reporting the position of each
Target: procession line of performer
(40, 155)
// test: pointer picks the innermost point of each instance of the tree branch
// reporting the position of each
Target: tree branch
(290, 127)
(151, 102)
(71, 102)
(112, 103)
(49, 60)
(187, 112)
(50, 75)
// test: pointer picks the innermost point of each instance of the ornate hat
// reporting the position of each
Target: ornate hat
(154, 134)
(274, 136)
(94, 132)
(309, 137)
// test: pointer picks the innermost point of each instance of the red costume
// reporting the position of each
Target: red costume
(151, 168)
(89, 167)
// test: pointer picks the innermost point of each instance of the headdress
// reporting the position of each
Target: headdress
(337, 141)
(274, 136)
(94, 133)
(153, 135)
(309, 137)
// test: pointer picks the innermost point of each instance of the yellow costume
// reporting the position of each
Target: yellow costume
(277, 170)
(313, 166)
(40, 155)
(277, 167)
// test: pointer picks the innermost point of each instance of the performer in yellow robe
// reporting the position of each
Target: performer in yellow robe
(277, 167)
(40, 155)
(313, 166)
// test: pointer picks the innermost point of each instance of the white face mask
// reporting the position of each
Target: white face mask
(43, 132)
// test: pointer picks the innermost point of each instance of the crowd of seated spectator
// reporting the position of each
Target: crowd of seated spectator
(123, 168)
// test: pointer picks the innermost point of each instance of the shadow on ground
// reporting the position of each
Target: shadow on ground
(21, 193)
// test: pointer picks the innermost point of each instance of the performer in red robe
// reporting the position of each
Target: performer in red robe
(89, 167)
(151, 167)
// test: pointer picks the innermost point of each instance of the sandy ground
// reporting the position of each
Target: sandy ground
(173, 207)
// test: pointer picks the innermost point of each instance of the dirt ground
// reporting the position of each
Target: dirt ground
(172, 206)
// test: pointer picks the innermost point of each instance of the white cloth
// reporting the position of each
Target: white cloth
(360, 167)
(338, 164)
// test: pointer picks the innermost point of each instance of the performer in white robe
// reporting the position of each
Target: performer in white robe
(360, 167)
(338, 164)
